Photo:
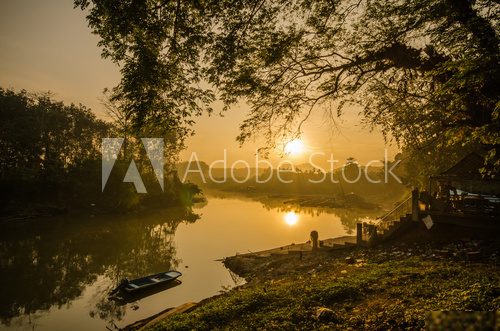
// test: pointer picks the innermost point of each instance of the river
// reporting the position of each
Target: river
(55, 272)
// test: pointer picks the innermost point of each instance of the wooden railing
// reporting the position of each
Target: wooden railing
(365, 232)
(403, 208)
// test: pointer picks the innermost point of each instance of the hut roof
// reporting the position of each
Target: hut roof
(466, 175)
(467, 168)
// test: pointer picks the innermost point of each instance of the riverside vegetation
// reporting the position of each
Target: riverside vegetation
(395, 286)
(50, 161)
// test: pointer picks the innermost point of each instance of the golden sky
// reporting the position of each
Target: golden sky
(47, 46)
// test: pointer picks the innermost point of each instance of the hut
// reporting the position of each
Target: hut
(463, 193)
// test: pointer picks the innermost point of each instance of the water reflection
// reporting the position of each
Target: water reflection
(49, 265)
(71, 264)
(291, 218)
(113, 309)
(348, 216)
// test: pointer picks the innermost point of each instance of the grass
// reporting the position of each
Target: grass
(376, 294)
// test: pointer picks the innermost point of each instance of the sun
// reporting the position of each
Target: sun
(291, 218)
(294, 147)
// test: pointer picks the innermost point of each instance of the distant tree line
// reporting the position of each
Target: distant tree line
(50, 160)
(343, 184)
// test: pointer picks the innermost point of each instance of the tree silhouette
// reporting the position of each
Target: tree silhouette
(425, 72)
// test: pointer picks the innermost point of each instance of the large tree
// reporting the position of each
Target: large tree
(425, 72)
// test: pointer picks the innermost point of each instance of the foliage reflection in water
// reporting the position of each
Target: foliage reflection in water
(51, 264)
(58, 271)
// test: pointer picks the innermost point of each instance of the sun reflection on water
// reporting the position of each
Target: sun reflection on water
(291, 218)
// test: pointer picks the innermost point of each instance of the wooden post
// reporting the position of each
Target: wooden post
(314, 240)
(431, 195)
(359, 233)
(372, 234)
(414, 205)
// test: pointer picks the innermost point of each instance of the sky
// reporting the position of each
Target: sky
(47, 46)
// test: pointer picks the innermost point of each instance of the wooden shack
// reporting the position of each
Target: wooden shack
(462, 195)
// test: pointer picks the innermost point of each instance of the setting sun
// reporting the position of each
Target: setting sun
(291, 218)
(294, 147)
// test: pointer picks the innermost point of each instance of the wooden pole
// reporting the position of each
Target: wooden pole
(314, 240)
(359, 233)
(414, 205)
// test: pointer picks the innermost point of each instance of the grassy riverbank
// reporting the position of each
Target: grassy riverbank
(390, 287)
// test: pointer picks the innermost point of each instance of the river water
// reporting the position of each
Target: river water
(55, 273)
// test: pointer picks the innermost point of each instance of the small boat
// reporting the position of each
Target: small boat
(123, 297)
(139, 284)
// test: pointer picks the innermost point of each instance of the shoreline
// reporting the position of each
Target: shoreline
(280, 270)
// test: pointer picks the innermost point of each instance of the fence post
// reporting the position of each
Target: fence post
(314, 240)
(372, 235)
(359, 234)
(414, 205)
